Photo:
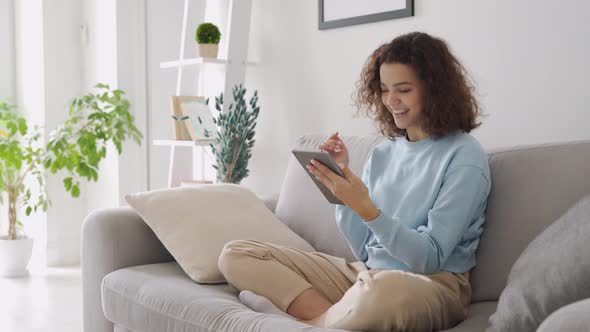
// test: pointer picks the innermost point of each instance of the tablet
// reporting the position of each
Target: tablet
(305, 156)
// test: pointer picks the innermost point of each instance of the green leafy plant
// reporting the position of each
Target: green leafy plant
(207, 33)
(235, 136)
(76, 146)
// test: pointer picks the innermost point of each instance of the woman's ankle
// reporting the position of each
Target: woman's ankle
(309, 305)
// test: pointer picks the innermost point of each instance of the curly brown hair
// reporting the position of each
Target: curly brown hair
(449, 101)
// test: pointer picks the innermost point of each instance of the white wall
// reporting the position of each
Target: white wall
(55, 63)
(99, 56)
(58, 50)
(131, 78)
(529, 59)
(7, 83)
(7, 79)
(63, 81)
(114, 54)
(30, 99)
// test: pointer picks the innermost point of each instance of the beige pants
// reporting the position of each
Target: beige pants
(365, 300)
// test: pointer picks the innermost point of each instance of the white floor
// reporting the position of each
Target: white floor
(47, 302)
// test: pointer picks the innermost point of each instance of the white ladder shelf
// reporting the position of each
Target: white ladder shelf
(183, 159)
(182, 153)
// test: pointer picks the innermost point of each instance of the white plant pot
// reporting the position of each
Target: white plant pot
(15, 256)
(207, 50)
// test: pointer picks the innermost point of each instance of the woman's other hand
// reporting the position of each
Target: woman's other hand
(336, 148)
(350, 189)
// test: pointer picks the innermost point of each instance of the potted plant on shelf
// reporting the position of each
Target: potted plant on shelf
(207, 37)
(235, 136)
(76, 146)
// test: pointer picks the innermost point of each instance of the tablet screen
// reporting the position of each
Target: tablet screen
(305, 156)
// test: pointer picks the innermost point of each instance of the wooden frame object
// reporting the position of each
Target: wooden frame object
(185, 113)
(341, 13)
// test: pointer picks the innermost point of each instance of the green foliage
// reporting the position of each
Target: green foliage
(14, 133)
(77, 146)
(207, 33)
(235, 137)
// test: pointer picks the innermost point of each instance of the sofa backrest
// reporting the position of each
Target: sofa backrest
(304, 208)
(532, 186)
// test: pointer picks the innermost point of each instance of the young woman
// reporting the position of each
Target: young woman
(413, 220)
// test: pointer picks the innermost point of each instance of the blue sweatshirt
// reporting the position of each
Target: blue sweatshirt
(432, 195)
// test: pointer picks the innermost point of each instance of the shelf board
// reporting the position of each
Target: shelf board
(198, 61)
(172, 142)
(192, 62)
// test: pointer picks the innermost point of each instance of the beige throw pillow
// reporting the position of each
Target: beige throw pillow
(195, 222)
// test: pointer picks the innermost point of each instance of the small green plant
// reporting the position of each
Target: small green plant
(207, 33)
(235, 137)
(77, 146)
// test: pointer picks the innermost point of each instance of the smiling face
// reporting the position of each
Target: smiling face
(401, 93)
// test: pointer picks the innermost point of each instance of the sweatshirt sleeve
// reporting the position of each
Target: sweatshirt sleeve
(353, 226)
(463, 191)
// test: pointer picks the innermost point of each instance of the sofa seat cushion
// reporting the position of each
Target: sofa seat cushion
(161, 297)
(477, 317)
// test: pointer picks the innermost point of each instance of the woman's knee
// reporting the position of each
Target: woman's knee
(394, 291)
(380, 300)
(236, 255)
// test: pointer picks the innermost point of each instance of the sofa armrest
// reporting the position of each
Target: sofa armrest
(113, 239)
(270, 201)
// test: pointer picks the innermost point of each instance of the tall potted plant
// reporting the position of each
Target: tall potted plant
(235, 136)
(76, 146)
(207, 37)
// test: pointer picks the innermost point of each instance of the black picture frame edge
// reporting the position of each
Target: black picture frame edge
(323, 25)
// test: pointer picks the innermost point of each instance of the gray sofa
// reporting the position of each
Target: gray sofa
(131, 282)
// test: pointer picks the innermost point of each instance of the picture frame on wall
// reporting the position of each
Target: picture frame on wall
(186, 111)
(341, 13)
